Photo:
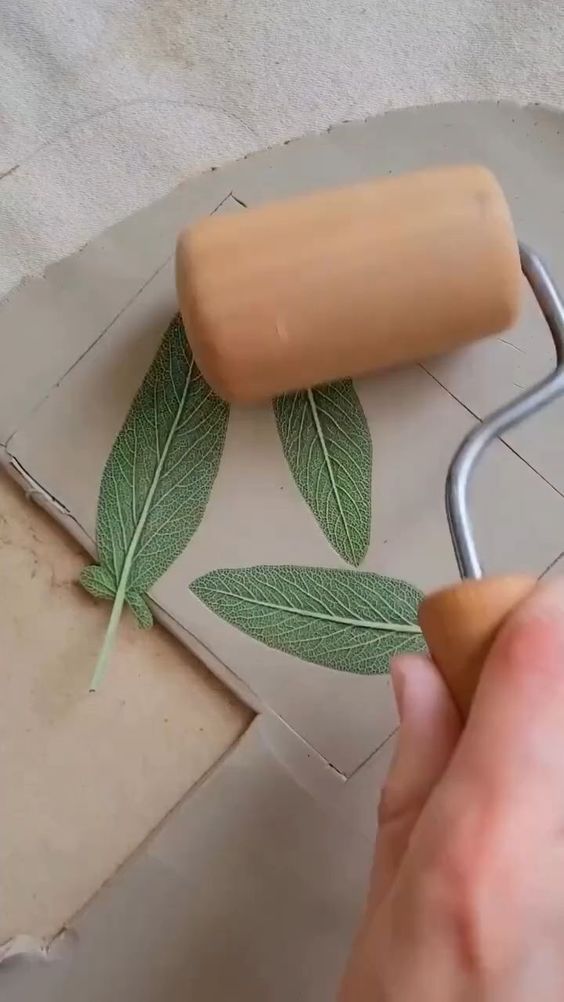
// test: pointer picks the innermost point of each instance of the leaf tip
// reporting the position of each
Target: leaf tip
(196, 584)
(354, 559)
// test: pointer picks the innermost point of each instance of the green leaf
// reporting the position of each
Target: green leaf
(349, 620)
(98, 582)
(140, 609)
(156, 482)
(327, 443)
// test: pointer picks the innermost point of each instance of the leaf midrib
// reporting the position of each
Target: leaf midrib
(329, 467)
(367, 624)
(129, 557)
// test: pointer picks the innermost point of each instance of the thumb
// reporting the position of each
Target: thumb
(512, 749)
(428, 733)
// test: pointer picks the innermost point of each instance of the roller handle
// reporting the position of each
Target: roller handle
(460, 625)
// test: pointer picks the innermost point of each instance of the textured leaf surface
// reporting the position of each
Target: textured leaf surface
(349, 620)
(140, 610)
(327, 443)
(157, 480)
(98, 582)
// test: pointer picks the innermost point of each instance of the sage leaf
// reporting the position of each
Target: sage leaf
(156, 483)
(327, 444)
(98, 582)
(352, 621)
(140, 609)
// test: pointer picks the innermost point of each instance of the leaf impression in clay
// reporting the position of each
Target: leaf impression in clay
(156, 483)
(327, 444)
(352, 621)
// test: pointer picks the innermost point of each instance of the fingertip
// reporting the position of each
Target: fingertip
(418, 685)
(429, 731)
(403, 668)
(430, 725)
(398, 668)
(401, 662)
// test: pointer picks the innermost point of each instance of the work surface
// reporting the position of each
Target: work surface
(321, 740)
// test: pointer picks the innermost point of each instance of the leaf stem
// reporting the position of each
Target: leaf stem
(367, 624)
(109, 638)
(331, 475)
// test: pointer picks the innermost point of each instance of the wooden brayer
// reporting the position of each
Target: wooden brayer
(353, 280)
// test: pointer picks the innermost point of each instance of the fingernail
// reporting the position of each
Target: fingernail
(398, 685)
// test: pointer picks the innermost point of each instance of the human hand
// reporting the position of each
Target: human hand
(466, 901)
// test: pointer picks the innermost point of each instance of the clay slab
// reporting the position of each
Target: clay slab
(415, 417)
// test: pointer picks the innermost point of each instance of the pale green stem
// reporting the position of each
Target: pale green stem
(106, 649)
(329, 468)
(367, 624)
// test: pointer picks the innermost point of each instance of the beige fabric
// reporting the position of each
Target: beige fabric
(109, 103)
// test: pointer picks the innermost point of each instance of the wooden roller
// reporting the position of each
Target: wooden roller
(460, 625)
(347, 281)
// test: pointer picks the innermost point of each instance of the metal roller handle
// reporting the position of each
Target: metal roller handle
(461, 623)
(525, 405)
